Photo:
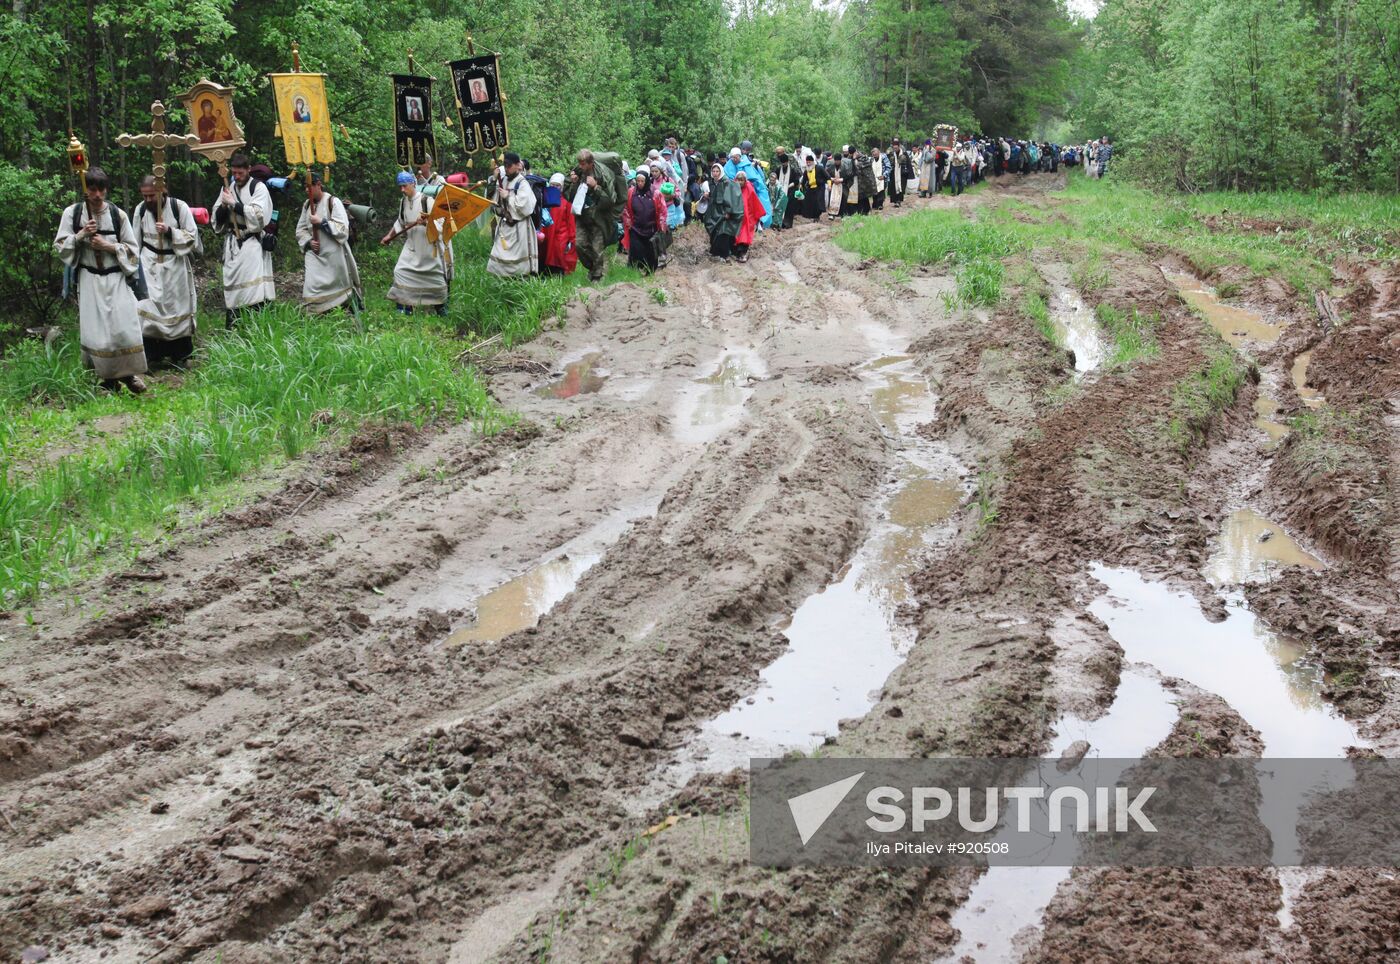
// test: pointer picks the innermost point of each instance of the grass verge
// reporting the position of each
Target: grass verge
(262, 395)
(87, 476)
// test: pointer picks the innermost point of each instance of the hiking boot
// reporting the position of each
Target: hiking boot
(134, 384)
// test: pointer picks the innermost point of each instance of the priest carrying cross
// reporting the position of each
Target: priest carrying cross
(168, 237)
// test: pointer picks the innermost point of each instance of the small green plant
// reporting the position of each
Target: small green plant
(1203, 394)
(986, 506)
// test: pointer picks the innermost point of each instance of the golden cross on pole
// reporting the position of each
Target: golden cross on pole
(158, 140)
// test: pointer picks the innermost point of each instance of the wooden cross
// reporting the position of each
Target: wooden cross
(158, 140)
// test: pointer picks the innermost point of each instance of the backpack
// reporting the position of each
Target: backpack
(268, 238)
(539, 185)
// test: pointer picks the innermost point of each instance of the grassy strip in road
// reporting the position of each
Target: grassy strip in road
(1131, 333)
(1204, 393)
(974, 249)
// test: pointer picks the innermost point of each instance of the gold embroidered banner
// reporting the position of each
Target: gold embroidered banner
(304, 118)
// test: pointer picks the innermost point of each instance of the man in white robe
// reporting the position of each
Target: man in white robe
(169, 240)
(95, 239)
(515, 250)
(241, 214)
(323, 233)
(419, 277)
(427, 178)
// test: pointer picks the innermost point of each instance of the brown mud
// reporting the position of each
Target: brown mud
(421, 702)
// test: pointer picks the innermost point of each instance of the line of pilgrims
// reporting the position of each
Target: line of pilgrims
(137, 297)
(134, 274)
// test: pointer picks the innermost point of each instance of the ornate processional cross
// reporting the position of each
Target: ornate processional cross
(158, 140)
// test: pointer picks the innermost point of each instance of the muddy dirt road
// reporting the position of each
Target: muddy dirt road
(444, 698)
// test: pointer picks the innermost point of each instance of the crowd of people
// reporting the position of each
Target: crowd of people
(135, 276)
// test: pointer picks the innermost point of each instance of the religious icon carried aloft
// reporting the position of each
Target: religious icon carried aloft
(303, 117)
(218, 133)
(413, 119)
(476, 82)
(945, 137)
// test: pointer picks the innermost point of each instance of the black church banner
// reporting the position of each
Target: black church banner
(413, 119)
(476, 83)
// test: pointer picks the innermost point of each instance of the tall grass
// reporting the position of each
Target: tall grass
(278, 385)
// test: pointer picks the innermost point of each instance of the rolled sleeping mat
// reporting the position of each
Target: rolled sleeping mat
(459, 179)
(362, 213)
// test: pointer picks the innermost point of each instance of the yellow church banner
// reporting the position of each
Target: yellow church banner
(455, 208)
(303, 118)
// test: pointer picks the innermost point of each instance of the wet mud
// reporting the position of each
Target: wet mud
(491, 698)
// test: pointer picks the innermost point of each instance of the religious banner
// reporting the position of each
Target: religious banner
(480, 104)
(303, 118)
(413, 119)
(454, 208)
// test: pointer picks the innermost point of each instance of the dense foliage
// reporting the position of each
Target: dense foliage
(612, 74)
(1247, 94)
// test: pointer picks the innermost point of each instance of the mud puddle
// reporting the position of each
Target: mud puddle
(521, 602)
(714, 403)
(844, 641)
(788, 271)
(1238, 326)
(1265, 411)
(1078, 330)
(1251, 548)
(1005, 902)
(581, 377)
(1263, 675)
(1260, 673)
(1311, 397)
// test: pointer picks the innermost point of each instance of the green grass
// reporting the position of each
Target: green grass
(974, 249)
(1034, 307)
(1203, 394)
(1316, 227)
(1131, 333)
(260, 396)
(1328, 439)
(483, 305)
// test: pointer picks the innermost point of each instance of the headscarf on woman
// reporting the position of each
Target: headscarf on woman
(753, 212)
(643, 220)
